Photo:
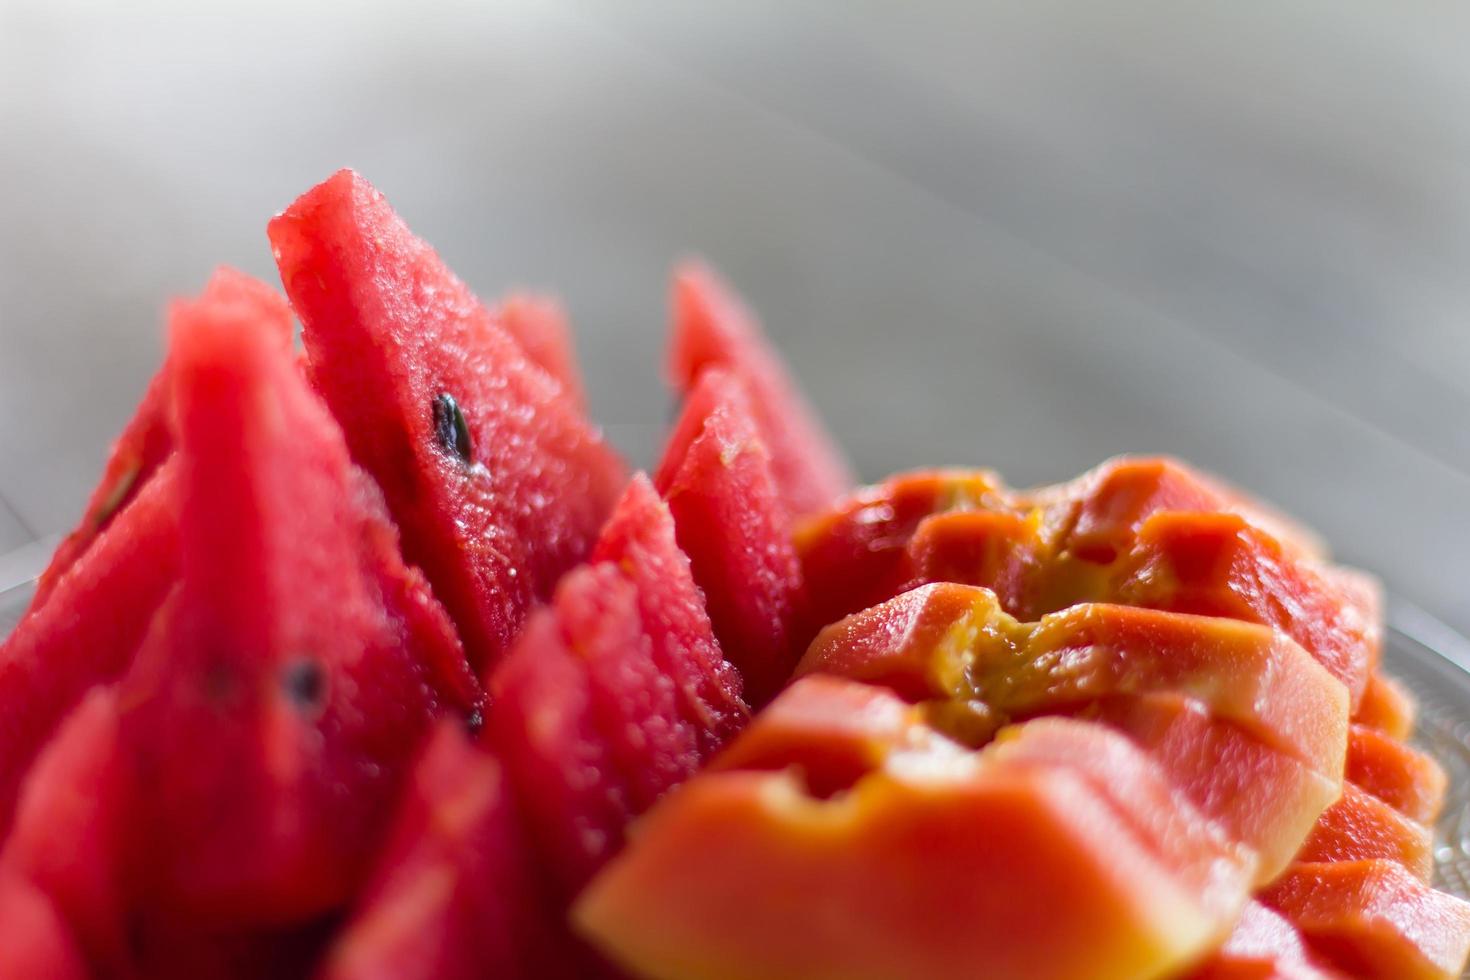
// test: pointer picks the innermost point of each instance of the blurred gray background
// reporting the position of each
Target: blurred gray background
(1025, 235)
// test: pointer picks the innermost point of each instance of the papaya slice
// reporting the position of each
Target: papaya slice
(1264, 946)
(1387, 706)
(497, 480)
(879, 880)
(1374, 919)
(1361, 827)
(1406, 779)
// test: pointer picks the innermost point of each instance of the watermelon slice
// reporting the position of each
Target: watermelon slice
(89, 633)
(716, 476)
(144, 444)
(590, 730)
(283, 688)
(713, 328)
(34, 940)
(455, 895)
(639, 539)
(539, 324)
(77, 793)
(497, 480)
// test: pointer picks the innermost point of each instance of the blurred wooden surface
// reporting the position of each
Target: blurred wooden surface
(1024, 235)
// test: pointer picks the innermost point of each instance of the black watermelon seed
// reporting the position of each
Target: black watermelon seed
(305, 683)
(451, 430)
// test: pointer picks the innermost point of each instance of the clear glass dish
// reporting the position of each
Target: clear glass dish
(1432, 659)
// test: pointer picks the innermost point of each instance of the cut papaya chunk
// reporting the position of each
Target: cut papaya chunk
(713, 328)
(1373, 919)
(539, 325)
(1261, 796)
(1387, 706)
(856, 554)
(283, 689)
(455, 894)
(1361, 827)
(1105, 507)
(1406, 779)
(716, 476)
(879, 881)
(1218, 565)
(954, 641)
(497, 480)
(1264, 946)
(146, 441)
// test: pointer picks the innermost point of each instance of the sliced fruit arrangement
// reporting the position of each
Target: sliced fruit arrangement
(374, 662)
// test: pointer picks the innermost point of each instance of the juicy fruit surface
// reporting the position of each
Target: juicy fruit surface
(713, 328)
(456, 895)
(1114, 535)
(369, 662)
(497, 480)
(280, 688)
(614, 693)
(717, 477)
(900, 851)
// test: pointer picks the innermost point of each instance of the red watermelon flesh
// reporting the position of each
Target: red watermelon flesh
(281, 692)
(639, 540)
(543, 728)
(614, 694)
(455, 894)
(496, 478)
(539, 325)
(34, 940)
(730, 522)
(140, 450)
(88, 634)
(76, 793)
(713, 328)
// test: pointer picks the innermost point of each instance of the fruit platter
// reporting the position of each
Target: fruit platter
(370, 658)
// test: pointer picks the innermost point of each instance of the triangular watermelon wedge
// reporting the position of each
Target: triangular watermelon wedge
(146, 441)
(77, 792)
(34, 941)
(539, 324)
(287, 681)
(717, 478)
(613, 694)
(456, 895)
(496, 478)
(712, 327)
